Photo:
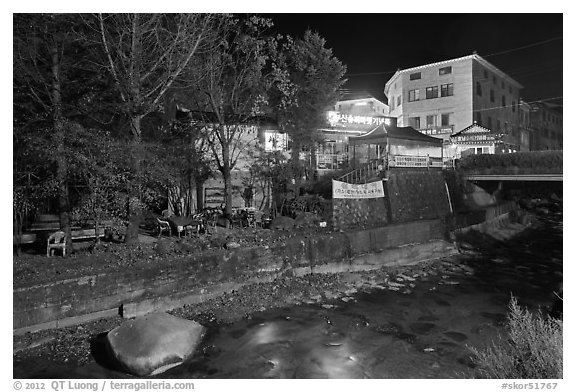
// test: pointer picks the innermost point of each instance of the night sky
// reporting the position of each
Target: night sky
(528, 47)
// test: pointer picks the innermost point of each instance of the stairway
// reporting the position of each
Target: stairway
(368, 172)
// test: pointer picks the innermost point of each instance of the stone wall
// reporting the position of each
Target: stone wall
(359, 213)
(207, 275)
(416, 195)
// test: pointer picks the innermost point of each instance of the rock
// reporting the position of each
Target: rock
(282, 223)
(232, 245)
(307, 219)
(154, 343)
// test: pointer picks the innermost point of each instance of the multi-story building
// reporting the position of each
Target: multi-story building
(446, 97)
(546, 123)
(349, 117)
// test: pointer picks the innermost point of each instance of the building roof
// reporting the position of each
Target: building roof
(474, 56)
(468, 128)
(382, 133)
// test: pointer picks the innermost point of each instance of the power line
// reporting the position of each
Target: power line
(524, 47)
(488, 55)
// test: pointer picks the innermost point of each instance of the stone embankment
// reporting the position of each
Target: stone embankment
(211, 275)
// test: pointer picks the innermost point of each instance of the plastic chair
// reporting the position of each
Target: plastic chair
(56, 240)
(163, 226)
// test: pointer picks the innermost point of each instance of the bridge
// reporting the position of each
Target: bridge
(513, 177)
(530, 166)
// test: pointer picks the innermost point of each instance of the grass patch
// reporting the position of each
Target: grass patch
(533, 349)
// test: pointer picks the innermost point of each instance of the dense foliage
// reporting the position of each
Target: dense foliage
(533, 349)
(96, 132)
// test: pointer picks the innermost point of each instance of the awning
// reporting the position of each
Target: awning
(382, 133)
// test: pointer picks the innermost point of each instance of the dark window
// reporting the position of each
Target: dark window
(413, 95)
(489, 122)
(414, 122)
(498, 126)
(503, 101)
(494, 79)
(416, 76)
(431, 92)
(447, 90)
(399, 100)
(478, 88)
(445, 71)
(478, 118)
(445, 119)
(485, 74)
(491, 95)
(513, 106)
(430, 121)
(503, 85)
(510, 89)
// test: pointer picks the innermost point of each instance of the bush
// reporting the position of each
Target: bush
(533, 350)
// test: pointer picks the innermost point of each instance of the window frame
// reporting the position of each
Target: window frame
(445, 70)
(413, 76)
(449, 88)
(414, 95)
(432, 89)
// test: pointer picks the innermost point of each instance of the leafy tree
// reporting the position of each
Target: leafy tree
(145, 54)
(307, 79)
(45, 58)
(230, 81)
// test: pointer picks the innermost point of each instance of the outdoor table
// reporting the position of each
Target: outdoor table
(179, 223)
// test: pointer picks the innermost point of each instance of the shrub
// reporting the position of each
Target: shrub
(533, 350)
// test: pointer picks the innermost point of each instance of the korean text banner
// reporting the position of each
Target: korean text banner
(342, 190)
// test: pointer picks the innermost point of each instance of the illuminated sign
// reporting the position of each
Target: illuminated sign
(337, 118)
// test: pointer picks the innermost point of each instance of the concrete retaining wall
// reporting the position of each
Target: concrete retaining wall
(205, 276)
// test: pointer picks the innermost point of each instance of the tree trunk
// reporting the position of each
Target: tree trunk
(61, 163)
(199, 194)
(296, 167)
(226, 173)
(133, 205)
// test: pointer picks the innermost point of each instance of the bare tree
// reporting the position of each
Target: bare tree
(231, 81)
(145, 54)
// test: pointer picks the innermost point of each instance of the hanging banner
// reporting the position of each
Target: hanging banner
(343, 190)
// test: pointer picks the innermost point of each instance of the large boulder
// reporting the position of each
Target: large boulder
(282, 223)
(154, 343)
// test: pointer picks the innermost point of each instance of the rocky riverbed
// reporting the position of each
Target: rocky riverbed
(76, 347)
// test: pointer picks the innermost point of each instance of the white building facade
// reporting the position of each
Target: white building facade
(443, 98)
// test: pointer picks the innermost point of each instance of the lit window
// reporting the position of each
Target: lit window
(447, 90)
(413, 95)
(431, 92)
(445, 71)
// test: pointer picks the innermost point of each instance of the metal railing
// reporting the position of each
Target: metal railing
(363, 173)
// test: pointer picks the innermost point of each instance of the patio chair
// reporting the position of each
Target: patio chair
(56, 240)
(163, 226)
